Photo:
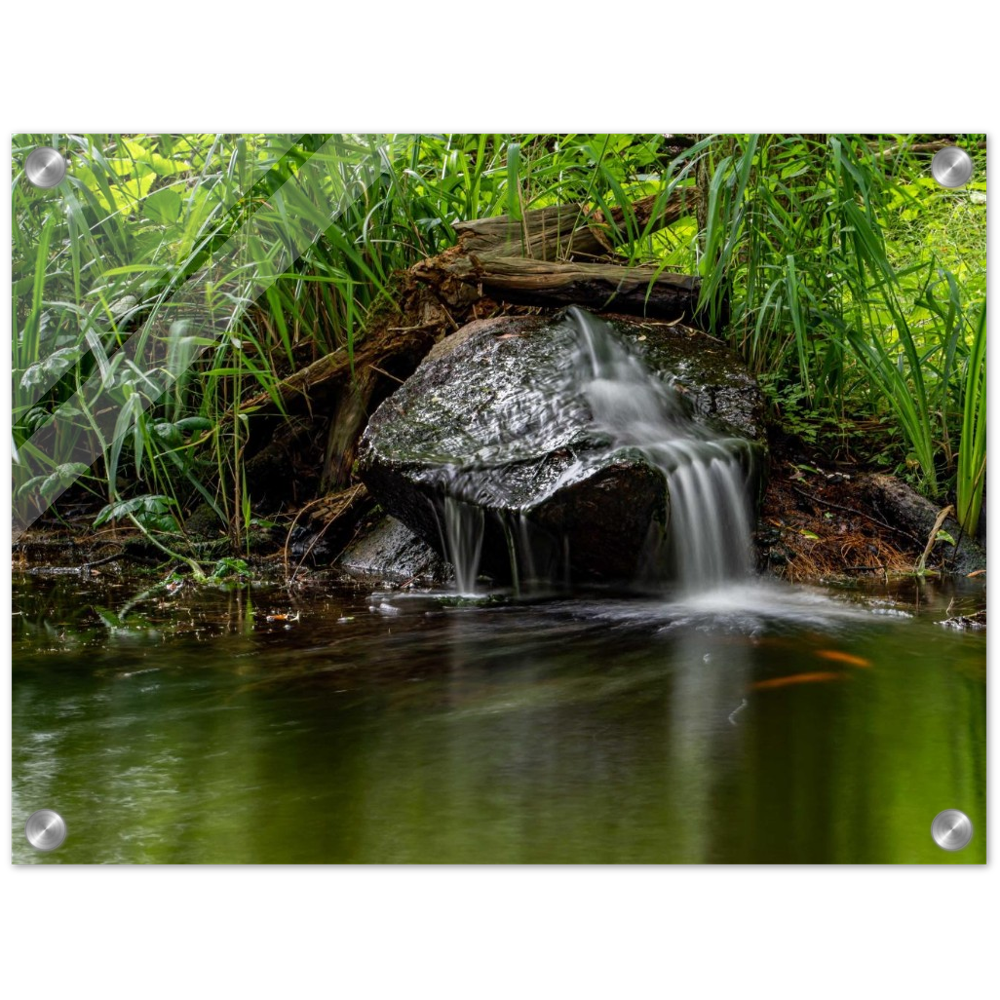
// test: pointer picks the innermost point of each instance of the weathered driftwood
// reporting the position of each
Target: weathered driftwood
(648, 215)
(559, 232)
(641, 291)
(562, 255)
(393, 354)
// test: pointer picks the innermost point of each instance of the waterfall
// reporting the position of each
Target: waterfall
(708, 535)
(464, 526)
(703, 538)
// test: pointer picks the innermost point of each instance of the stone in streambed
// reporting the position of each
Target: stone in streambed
(494, 418)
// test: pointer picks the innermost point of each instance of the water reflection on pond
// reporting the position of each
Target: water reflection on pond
(755, 724)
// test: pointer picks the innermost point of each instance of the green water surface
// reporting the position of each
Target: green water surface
(392, 728)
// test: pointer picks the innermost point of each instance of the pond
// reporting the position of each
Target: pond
(754, 723)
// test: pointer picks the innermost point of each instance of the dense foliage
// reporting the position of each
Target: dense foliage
(857, 285)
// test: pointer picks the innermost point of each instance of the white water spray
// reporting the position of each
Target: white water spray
(708, 537)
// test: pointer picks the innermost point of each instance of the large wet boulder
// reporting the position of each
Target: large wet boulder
(491, 437)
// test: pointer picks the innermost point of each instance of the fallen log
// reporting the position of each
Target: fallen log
(393, 353)
(899, 504)
(562, 255)
(647, 215)
(641, 291)
(559, 232)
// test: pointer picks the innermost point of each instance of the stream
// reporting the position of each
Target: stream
(752, 722)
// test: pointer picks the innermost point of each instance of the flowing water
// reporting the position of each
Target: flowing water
(747, 723)
(724, 720)
(709, 475)
(463, 542)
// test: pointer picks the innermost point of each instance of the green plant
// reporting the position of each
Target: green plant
(796, 236)
(856, 286)
(790, 407)
(971, 475)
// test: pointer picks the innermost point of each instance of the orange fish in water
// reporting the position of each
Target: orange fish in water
(780, 682)
(838, 657)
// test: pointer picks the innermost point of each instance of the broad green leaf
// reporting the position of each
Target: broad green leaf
(163, 206)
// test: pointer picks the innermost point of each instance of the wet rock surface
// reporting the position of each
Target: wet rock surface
(492, 418)
(390, 551)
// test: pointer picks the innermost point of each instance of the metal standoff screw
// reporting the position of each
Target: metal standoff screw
(951, 167)
(951, 830)
(45, 167)
(45, 830)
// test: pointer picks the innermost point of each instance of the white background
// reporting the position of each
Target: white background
(510, 938)
(396, 61)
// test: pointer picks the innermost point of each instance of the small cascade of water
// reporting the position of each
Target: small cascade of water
(704, 537)
(708, 537)
(537, 560)
(464, 526)
(526, 550)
